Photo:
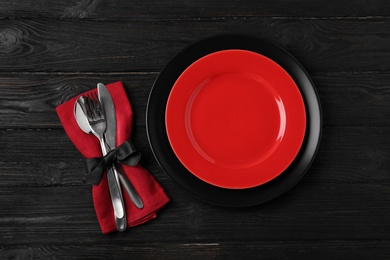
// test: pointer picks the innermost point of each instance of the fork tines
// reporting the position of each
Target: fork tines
(93, 107)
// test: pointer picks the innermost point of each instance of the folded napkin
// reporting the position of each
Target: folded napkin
(152, 194)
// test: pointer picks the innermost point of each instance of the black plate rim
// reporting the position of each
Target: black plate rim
(163, 153)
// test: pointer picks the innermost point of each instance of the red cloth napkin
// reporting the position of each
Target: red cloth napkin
(152, 194)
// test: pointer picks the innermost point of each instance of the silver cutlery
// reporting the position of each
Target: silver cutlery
(90, 117)
(110, 137)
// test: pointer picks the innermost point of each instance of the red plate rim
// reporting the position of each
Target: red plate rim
(235, 65)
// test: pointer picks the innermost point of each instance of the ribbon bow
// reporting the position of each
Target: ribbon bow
(123, 154)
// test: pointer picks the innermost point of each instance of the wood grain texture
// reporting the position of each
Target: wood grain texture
(153, 9)
(50, 52)
(29, 100)
(52, 160)
(308, 212)
(321, 45)
(278, 250)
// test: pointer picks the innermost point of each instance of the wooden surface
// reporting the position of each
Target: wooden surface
(50, 52)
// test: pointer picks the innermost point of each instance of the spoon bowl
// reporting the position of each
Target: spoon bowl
(81, 117)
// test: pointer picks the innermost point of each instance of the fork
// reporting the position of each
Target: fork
(97, 121)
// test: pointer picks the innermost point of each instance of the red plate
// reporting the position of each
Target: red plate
(235, 119)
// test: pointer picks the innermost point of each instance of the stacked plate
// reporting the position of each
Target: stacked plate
(234, 121)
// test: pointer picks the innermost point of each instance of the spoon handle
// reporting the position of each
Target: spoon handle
(115, 193)
(117, 200)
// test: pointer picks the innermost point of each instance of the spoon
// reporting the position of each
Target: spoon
(116, 197)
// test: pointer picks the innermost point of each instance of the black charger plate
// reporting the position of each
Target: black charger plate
(158, 139)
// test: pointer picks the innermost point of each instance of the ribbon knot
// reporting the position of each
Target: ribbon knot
(123, 154)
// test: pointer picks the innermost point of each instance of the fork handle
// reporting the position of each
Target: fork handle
(131, 191)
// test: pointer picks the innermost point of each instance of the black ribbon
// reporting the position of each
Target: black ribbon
(123, 154)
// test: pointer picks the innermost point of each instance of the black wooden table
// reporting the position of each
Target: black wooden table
(50, 52)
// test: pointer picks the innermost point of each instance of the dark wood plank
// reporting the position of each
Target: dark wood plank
(324, 45)
(47, 157)
(352, 154)
(277, 250)
(319, 211)
(51, 52)
(29, 100)
(354, 98)
(153, 9)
